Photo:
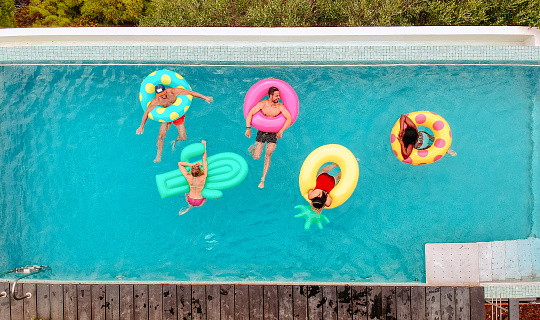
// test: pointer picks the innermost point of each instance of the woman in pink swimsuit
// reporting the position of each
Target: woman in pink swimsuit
(196, 179)
(319, 196)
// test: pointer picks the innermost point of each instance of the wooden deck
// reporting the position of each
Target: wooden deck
(253, 302)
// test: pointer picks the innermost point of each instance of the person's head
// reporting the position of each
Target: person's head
(160, 90)
(196, 169)
(273, 94)
(410, 136)
(318, 202)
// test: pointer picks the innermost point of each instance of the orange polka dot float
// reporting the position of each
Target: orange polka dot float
(441, 131)
(169, 79)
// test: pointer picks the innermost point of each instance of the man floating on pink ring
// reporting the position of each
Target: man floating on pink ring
(270, 117)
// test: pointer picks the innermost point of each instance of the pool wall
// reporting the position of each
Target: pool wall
(373, 45)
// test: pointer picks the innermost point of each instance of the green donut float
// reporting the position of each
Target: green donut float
(225, 170)
(169, 79)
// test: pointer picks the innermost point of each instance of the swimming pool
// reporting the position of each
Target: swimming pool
(78, 190)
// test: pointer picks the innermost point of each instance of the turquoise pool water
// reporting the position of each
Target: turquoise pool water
(78, 193)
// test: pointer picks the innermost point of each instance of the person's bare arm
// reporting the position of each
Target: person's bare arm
(182, 166)
(328, 202)
(288, 120)
(151, 107)
(405, 152)
(250, 115)
(180, 92)
(204, 161)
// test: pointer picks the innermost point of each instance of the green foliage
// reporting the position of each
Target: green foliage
(7, 13)
(276, 13)
(112, 12)
(184, 13)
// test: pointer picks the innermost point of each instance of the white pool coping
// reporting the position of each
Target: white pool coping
(136, 36)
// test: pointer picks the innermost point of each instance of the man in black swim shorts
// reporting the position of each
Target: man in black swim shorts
(270, 108)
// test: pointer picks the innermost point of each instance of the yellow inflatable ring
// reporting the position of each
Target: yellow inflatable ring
(330, 153)
(441, 131)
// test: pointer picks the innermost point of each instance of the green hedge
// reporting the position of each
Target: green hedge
(7, 13)
(273, 13)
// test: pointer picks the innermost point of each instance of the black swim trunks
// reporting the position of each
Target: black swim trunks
(270, 137)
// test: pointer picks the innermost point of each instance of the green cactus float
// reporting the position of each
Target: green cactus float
(225, 170)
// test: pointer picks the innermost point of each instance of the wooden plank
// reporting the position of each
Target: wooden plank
(140, 299)
(70, 302)
(359, 302)
(5, 306)
(344, 302)
(30, 304)
(241, 302)
(389, 302)
(270, 304)
(170, 311)
(513, 309)
(315, 303)
(448, 309)
(300, 302)
(84, 302)
(98, 301)
(375, 303)
(418, 303)
(256, 303)
(57, 301)
(403, 303)
(16, 305)
(112, 302)
(226, 293)
(127, 305)
(330, 304)
(285, 303)
(433, 303)
(43, 296)
(183, 293)
(478, 309)
(155, 301)
(463, 303)
(213, 304)
(198, 302)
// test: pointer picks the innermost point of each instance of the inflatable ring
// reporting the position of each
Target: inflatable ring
(225, 170)
(441, 131)
(169, 79)
(258, 91)
(349, 172)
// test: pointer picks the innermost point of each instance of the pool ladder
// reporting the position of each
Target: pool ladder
(27, 271)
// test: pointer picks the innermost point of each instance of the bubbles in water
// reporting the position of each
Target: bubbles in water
(210, 241)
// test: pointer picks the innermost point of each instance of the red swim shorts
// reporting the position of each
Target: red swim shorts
(179, 121)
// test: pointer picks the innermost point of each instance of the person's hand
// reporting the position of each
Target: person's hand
(204, 143)
(208, 99)
(248, 132)
(140, 130)
(279, 135)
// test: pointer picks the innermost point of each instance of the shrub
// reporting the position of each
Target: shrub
(192, 13)
(278, 13)
(111, 12)
(7, 13)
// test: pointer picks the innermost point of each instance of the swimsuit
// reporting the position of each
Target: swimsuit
(179, 121)
(195, 202)
(325, 182)
(270, 137)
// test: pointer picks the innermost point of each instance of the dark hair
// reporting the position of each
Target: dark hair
(197, 172)
(272, 90)
(318, 202)
(410, 136)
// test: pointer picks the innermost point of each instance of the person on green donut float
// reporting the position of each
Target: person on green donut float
(165, 98)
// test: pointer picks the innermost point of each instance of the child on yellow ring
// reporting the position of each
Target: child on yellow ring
(320, 195)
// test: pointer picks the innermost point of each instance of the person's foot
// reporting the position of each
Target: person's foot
(183, 211)
(251, 149)
(174, 144)
(452, 152)
(261, 185)
(157, 159)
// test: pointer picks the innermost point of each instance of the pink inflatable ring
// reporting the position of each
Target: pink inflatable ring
(258, 91)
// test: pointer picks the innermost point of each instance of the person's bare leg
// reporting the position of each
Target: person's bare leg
(161, 137)
(183, 212)
(270, 147)
(181, 134)
(328, 168)
(451, 152)
(256, 150)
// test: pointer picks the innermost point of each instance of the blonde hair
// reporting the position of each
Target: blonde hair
(199, 170)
